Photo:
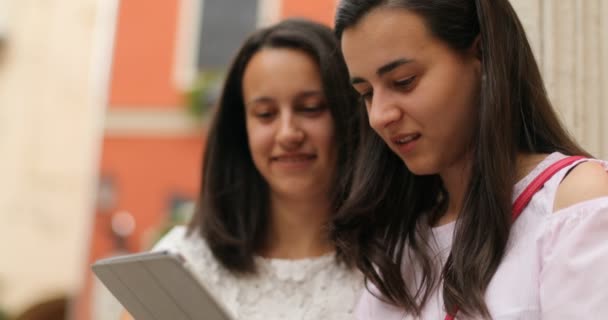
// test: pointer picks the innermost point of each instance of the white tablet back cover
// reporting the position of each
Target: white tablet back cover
(158, 286)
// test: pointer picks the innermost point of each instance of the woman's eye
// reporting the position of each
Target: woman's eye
(312, 109)
(367, 96)
(264, 115)
(405, 83)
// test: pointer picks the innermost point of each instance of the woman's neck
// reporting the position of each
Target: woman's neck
(297, 227)
(456, 181)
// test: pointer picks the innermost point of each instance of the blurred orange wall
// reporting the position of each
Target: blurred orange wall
(318, 10)
(142, 71)
(146, 172)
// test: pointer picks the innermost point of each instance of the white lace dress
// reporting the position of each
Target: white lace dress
(316, 288)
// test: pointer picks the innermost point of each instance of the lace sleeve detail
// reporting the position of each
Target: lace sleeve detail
(196, 252)
(172, 241)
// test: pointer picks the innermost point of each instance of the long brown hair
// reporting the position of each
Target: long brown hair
(233, 205)
(381, 221)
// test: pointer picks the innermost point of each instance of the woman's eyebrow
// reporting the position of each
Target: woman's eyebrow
(386, 68)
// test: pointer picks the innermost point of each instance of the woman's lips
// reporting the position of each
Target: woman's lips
(293, 161)
(405, 143)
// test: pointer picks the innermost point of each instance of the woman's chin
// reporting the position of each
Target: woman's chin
(297, 189)
(420, 167)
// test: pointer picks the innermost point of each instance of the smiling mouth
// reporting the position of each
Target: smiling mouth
(406, 139)
(294, 158)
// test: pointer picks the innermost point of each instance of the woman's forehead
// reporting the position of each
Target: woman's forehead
(385, 34)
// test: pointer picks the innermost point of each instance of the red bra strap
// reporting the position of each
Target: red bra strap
(524, 198)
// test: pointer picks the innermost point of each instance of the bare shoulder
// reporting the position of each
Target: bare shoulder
(126, 316)
(586, 181)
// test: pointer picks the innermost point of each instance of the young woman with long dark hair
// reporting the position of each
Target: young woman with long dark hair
(276, 169)
(442, 217)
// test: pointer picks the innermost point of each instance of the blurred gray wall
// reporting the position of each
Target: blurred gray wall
(570, 41)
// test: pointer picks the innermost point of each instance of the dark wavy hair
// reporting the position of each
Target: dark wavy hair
(233, 205)
(381, 221)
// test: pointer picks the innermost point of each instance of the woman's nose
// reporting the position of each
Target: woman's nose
(383, 110)
(290, 135)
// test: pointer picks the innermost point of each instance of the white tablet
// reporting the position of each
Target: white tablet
(158, 286)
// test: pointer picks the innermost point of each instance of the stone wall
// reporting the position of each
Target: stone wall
(570, 40)
(50, 125)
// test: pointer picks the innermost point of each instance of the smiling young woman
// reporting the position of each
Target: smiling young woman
(276, 169)
(289, 125)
